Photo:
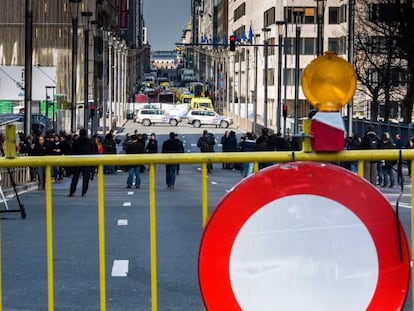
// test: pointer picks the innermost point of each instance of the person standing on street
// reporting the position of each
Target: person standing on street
(206, 144)
(152, 145)
(181, 150)
(134, 147)
(171, 145)
(41, 148)
(81, 146)
(370, 141)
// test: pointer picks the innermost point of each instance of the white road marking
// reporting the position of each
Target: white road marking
(120, 268)
(126, 204)
(214, 183)
(130, 192)
(122, 222)
(193, 145)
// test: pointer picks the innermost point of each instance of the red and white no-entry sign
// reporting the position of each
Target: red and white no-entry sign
(303, 236)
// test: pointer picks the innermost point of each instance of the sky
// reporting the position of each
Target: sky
(166, 20)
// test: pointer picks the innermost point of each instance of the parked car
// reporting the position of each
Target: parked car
(153, 116)
(206, 117)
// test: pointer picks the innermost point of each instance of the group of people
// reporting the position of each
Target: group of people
(139, 143)
(379, 173)
(250, 142)
(53, 143)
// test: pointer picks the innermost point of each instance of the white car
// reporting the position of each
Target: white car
(206, 117)
(153, 116)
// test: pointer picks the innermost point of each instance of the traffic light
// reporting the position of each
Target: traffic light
(285, 111)
(92, 111)
(232, 43)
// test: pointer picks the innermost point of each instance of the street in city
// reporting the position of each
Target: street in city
(75, 237)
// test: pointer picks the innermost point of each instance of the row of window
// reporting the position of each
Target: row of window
(336, 15)
(398, 76)
(308, 46)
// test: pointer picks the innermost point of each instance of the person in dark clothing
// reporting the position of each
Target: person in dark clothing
(353, 143)
(388, 179)
(109, 147)
(171, 145)
(291, 143)
(264, 143)
(41, 148)
(181, 150)
(248, 144)
(370, 141)
(81, 146)
(134, 147)
(206, 144)
(152, 145)
(229, 144)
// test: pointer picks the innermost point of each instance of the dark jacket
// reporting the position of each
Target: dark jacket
(206, 143)
(171, 145)
(152, 146)
(41, 149)
(83, 145)
(134, 147)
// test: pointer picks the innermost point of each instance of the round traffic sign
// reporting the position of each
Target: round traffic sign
(303, 236)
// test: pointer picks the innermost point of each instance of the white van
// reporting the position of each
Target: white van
(152, 116)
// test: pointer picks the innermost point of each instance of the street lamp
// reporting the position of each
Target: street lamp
(74, 9)
(85, 18)
(257, 36)
(110, 82)
(105, 70)
(320, 6)
(280, 25)
(266, 51)
(95, 32)
(298, 13)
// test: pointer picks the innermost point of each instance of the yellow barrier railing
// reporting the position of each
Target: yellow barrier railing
(156, 159)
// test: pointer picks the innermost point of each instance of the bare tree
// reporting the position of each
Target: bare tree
(380, 59)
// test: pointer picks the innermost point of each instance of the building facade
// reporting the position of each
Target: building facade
(52, 47)
(259, 57)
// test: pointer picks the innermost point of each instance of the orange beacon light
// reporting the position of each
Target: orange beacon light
(328, 83)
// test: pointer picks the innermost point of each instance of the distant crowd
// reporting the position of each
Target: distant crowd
(378, 173)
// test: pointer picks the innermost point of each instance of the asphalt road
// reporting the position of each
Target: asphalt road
(75, 236)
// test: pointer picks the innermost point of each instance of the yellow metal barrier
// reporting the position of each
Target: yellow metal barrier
(157, 159)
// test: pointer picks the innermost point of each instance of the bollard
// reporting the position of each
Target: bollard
(10, 141)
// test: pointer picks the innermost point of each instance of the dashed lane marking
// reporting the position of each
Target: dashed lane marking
(122, 222)
(126, 204)
(130, 192)
(120, 268)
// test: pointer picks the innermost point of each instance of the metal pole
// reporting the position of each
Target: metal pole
(246, 108)
(255, 89)
(350, 60)
(233, 84)
(297, 53)
(47, 109)
(266, 46)
(86, 80)
(239, 79)
(104, 80)
(53, 106)
(74, 65)
(110, 82)
(95, 81)
(28, 62)
(319, 46)
(279, 85)
(285, 43)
